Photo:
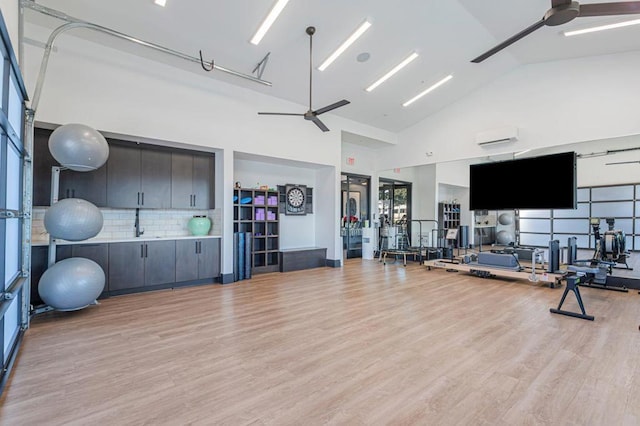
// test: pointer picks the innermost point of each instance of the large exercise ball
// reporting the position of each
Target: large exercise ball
(71, 284)
(505, 237)
(73, 219)
(506, 219)
(78, 147)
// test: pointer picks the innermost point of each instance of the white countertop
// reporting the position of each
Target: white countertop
(41, 242)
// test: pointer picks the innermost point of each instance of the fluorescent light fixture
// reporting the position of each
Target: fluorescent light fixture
(421, 94)
(348, 42)
(268, 21)
(161, 2)
(517, 154)
(602, 28)
(392, 72)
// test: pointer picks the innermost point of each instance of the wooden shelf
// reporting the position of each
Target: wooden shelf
(256, 218)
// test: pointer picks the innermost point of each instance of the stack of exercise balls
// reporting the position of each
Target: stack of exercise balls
(76, 282)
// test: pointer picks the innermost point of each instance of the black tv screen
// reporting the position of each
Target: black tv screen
(544, 182)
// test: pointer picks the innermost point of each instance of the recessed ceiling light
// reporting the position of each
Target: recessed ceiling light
(348, 42)
(268, 21)
(395, 69)
(421, 94)
(160, 2)
(602, 28)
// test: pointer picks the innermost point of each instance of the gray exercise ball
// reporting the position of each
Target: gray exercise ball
(78, 147)
(504, 237)
(71, 284)
(505, 219)
(73, 219)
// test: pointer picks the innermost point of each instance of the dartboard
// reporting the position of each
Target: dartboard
(295, 197)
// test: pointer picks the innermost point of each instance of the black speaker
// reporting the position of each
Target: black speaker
(463, 236)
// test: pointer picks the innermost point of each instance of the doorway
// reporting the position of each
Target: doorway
(355, 213)
(394, 208)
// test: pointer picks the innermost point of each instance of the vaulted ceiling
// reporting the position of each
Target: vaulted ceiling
(447, 35)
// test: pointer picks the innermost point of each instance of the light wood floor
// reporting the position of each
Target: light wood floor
(366, 344)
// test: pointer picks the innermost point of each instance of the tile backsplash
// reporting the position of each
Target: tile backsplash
(120, 223)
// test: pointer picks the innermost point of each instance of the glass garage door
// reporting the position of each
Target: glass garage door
(12, 206)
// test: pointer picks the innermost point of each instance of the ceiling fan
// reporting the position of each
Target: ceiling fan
(311, 114)
(563, 11)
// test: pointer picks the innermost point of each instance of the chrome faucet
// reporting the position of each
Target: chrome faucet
(137, 224)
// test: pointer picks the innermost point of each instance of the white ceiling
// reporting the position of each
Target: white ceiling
(446, 34)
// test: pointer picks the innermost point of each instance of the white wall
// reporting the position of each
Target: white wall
(552, 103)
(296, 231)
(121, 93)
(11, 14)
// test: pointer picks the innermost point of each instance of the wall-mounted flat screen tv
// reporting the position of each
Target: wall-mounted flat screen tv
(544, 182)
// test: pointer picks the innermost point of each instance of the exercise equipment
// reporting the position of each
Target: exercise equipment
(594, 270)
(613, 244)
(71, 284)
(573, 282)
(78, 147)
(73, 219)
(500, 263)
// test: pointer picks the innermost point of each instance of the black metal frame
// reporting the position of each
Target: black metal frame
(573, 282)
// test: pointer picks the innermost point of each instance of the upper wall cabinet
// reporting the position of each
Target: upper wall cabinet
(192, 177)
(138, 177)
(90, 186)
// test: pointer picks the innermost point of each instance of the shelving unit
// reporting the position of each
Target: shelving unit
(449, 215)
(256, 211)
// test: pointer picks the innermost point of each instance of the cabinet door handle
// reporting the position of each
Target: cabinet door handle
(146, 250)
(73, 193)
(141, 250)
(199, 247)
(138, 198)
(143, 198)
(196, 247)
(194, 200)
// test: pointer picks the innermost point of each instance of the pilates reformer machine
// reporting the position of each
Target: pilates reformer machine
(503, 263)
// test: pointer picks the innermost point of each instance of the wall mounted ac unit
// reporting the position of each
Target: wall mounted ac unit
(495, 136)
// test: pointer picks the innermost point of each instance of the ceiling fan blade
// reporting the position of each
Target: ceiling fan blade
(332, 106)
(556, 3)
(605, 9)
(509, 41)
(278, 113)
(320, 124)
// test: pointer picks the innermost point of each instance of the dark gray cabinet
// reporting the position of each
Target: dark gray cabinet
(197, 259)
(42, 163)
(90, 186)
(159, 265)
(192, 178)
(126, 265)
(138, 177)
(139, 264)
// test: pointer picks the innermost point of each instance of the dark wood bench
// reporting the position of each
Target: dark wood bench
(296, 259)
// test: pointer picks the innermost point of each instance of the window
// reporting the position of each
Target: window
(12, 206)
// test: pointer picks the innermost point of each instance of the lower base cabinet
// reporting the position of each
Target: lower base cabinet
(141, 264)
(132, 266)
(197, 259)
